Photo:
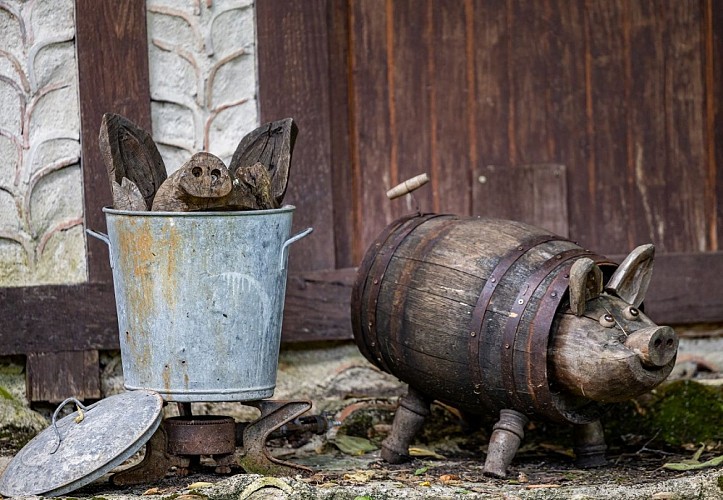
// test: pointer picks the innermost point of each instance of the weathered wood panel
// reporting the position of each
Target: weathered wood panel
(535, 194)
(452, 128)
(54, 377)
(293, 46)
(374, 121)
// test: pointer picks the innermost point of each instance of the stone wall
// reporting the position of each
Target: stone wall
(203, 86)
(41, 197)
(203, 76)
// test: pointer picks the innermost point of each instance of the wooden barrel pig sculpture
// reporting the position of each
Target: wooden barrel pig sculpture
(498, 316)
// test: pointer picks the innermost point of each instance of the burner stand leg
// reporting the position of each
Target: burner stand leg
(257, 459)
(155, 463)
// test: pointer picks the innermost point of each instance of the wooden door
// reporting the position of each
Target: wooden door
(623, 96)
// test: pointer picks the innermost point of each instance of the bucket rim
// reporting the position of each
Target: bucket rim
(219, 213)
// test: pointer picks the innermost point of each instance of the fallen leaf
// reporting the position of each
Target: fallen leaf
(416, 451)
(151, 491)
(421, 471)
(448, 478)
(199, 484)
(353, 445)
(541, 486)
(362, 476)
(693, 465)
(425, 484)
(664, 495)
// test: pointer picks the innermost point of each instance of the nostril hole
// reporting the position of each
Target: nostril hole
(658, 342)
(196, 171)
(215, 174)
(669, 343)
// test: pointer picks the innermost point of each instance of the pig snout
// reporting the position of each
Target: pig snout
(656, 346)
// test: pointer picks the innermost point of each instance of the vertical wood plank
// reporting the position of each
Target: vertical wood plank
(452, 127)
(112, 77)
(372, 134)
(54, 377)
(491, 83)
(411, 98)
(342, 174)
(293, 62)
(715, 110)
(609, 139)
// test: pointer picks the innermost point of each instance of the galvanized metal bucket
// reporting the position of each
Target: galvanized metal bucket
(200, 298)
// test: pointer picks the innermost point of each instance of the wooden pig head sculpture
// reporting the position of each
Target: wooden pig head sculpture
(256, 178)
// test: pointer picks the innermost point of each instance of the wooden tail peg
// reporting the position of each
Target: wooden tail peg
(408, 186)
(506, 437)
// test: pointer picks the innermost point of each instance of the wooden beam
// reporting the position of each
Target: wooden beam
(56, 376)
(112, 77)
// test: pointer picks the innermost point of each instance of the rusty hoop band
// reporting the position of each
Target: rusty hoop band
(480, 309)
(401, 292)
(536, 352)
(512, 339)
(374, 268)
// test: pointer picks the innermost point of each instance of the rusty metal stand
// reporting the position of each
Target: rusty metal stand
(507, 434)
(409, 418)
(274, 414)
(589, 445)
(155, 463)
(181, 441)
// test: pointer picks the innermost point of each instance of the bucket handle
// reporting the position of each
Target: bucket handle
(78, 419)
(104, 238)
(285, 246)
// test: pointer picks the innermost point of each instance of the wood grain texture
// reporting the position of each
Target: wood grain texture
(54, 377)
(317, 306)
(343, 179)
(113, 77)
(293, 66)
(373, 131)
(535, 194)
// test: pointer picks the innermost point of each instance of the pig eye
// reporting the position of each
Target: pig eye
(607, 320)
(631, 313)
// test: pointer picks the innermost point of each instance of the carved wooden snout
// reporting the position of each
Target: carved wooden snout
(656, 345)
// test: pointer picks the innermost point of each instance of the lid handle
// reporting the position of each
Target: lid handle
(78, 419)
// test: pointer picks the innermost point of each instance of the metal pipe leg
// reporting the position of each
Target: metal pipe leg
(589, 445)
(409, 418)
(507, 434)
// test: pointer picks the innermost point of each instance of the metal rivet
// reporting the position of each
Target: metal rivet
(558, 257)
(493, 280)
(521, 301)
(374, 344)
(473, 333)
(376, 282)
(520, 248)
(554, 294)
(507, 346)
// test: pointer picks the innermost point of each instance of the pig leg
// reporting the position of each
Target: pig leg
(413, 409)
(506, 437)
(589, 445)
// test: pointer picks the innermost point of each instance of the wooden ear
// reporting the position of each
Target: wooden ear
(129, 151)
(271, 145)
(630, 281)
(585, 284)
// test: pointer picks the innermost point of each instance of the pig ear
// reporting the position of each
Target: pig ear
(585, 284)
(630, 281)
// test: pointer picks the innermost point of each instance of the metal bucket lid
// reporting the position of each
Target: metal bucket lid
(92, 444)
